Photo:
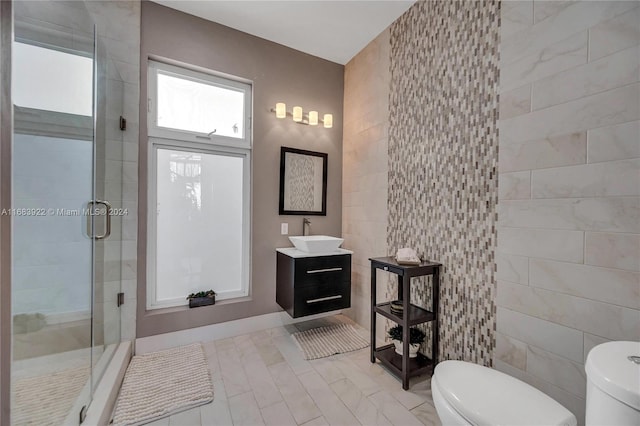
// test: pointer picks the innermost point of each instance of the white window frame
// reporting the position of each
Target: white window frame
(210, 78)
(162, 138)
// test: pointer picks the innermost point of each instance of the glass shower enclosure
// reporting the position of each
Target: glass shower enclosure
(66, 211)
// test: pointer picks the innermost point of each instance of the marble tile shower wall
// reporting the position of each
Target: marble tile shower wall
(365, 169)
(568, 256)
(118, 25)
(443, 154)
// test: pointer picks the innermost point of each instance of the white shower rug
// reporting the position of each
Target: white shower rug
(326, 341)
(163, 383)
(47, 399)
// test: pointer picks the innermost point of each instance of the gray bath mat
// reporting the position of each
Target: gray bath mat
(326, 341)
(160, 384)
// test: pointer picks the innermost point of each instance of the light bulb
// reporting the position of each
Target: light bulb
(281, 110)
(328, 121)
(313, 118)
(297, 114)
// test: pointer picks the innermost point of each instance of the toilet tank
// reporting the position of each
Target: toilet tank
(613, 384)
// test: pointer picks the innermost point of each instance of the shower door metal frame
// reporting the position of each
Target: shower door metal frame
(6, 138)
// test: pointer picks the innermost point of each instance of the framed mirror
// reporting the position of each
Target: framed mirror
(303, 182)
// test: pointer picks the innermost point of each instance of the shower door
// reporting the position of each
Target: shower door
(65, 265)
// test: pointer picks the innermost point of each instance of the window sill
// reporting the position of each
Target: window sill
(173, 309)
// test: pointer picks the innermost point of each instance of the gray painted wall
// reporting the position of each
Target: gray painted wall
(279, 74)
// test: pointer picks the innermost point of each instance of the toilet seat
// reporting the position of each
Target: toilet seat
(484, 396)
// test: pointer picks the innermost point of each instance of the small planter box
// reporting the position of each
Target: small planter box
(196, 302)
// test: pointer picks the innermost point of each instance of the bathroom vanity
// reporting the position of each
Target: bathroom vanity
(312, 283)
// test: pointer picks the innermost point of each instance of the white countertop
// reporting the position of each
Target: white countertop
(295, 253)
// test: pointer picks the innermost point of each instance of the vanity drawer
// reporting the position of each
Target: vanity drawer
(322, 270)
(321, 297)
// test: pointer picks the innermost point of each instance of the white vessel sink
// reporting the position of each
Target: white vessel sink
(317, 243)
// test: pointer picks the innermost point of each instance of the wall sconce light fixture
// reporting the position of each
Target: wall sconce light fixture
(313, 118)
(297, 114)
(299, 117)
(281, 110)
(328, 121)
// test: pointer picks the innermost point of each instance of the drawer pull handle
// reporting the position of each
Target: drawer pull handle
(323, 299)
(317, 271)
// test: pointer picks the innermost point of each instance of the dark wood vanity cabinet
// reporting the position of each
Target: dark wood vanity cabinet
(312, 285)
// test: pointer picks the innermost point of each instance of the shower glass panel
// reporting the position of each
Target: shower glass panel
(67, 170)
(108, 177)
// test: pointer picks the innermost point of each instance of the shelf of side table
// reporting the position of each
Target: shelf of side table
(390, 359)
(417, 315)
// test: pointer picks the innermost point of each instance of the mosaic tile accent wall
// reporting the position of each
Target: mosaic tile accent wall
(443, 153)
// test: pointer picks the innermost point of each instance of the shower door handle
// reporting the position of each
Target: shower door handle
(107, 231)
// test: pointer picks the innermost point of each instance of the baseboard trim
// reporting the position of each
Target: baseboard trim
(220, 331)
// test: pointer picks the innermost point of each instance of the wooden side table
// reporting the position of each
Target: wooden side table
(403, 366)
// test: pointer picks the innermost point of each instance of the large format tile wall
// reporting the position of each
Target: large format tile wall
(443, 153)
(365, 169)
(118, 27)
(569, 185)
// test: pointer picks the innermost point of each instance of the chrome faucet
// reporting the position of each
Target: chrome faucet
(306, 224)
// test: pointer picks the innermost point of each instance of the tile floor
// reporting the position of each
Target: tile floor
(262, 379)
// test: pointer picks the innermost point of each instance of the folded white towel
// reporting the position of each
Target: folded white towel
(407, 256)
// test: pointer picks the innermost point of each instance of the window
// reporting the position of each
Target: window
(52, 80)
(194, 106)
(199, 185)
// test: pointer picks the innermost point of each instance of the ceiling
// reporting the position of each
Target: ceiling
(333, 30)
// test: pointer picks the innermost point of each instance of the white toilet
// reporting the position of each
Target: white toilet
(613, 384)
(469, 394)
